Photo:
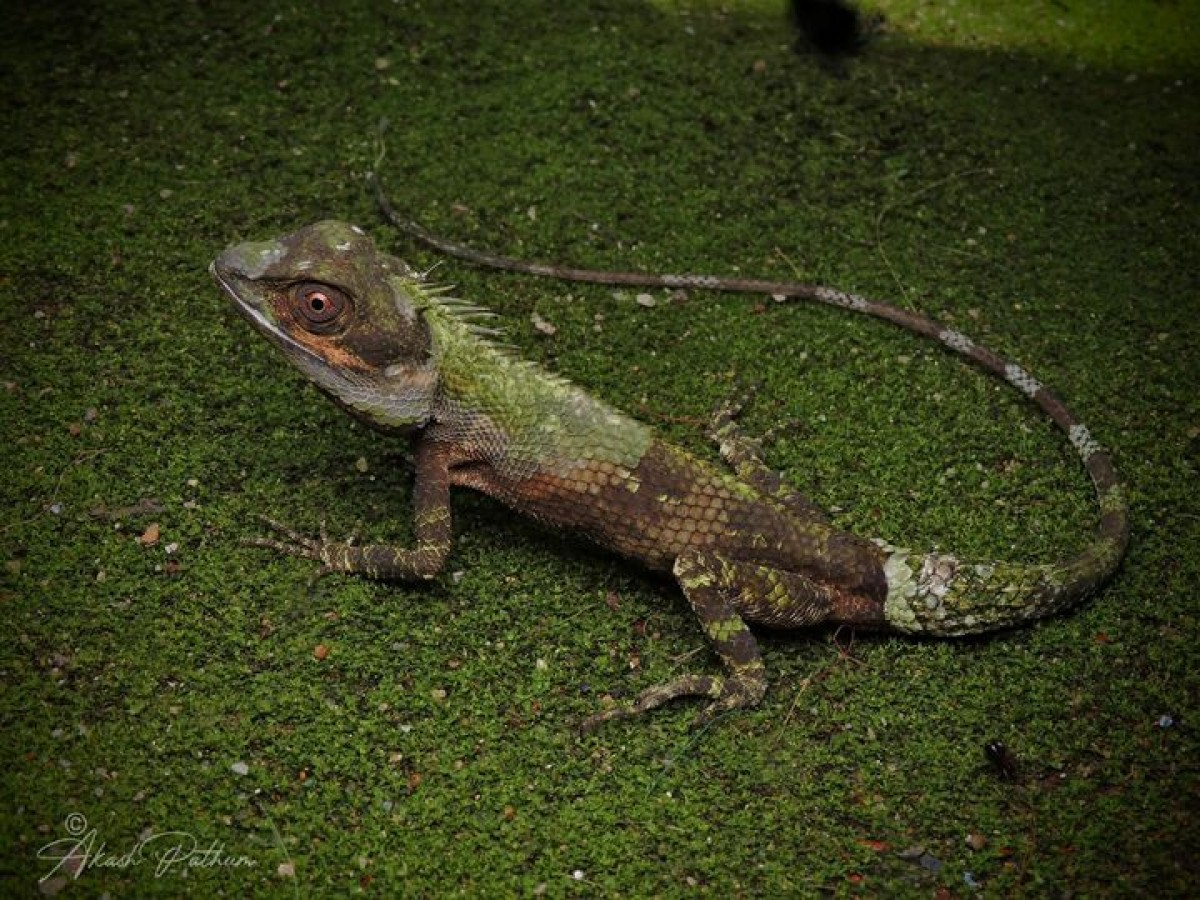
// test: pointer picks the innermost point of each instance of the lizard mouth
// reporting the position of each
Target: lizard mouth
(245, 304)
(248, 305)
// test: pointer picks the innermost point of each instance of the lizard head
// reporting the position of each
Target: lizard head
(345, 314)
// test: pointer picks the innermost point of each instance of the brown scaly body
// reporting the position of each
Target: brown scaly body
(742, 546)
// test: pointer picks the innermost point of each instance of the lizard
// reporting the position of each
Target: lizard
(398, 352)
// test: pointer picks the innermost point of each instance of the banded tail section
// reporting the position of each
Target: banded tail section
(939, 594)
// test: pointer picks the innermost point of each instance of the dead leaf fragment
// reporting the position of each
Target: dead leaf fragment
(151, 535)
(541, 326)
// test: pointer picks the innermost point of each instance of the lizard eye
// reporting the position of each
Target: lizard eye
(319, 307)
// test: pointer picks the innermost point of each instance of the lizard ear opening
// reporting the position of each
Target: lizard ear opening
(319, 308)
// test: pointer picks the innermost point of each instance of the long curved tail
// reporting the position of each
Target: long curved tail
(933, 593)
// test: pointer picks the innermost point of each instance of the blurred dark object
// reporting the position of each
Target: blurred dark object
(1002, 760)
(831, 27)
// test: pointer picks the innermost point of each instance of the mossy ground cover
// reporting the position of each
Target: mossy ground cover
(1025, 171)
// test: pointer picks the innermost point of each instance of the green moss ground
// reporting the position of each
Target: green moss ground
(1027, 171)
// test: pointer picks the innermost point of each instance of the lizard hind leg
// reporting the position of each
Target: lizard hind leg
(705, 580)
(744, 456)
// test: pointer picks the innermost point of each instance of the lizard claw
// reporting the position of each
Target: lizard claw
(295, 544)
(786, 428)
(286, 531)
(737, 691)
(730, 409)
(654, 697)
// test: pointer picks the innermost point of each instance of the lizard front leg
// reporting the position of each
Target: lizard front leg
(431, 509)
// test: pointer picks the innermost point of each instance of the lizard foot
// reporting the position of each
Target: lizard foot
(731, 408)
(741, 691)
(319, 549)
(734, 692)
(786, 428)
